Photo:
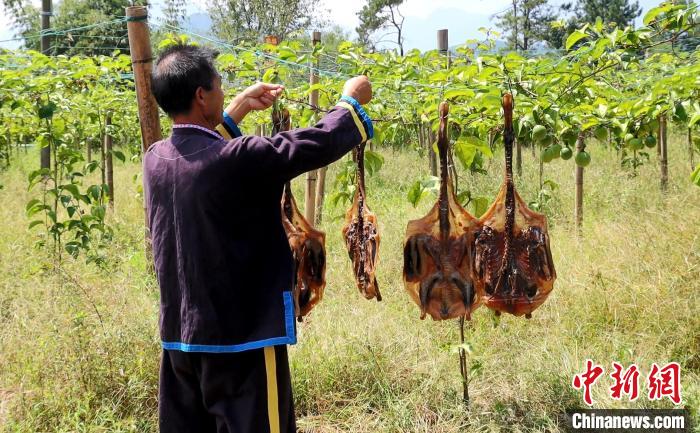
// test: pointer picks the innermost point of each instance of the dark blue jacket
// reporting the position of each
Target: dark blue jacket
(221, 254)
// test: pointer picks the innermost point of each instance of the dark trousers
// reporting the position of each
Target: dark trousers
(244, 392)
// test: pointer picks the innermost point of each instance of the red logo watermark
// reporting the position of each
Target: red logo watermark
(661, 382)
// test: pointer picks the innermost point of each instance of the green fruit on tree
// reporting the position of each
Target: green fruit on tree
(566, 153)
(556, 150)
(545, 156)
(546, 141)
(650, 141)
(539, 132)
(583, 158)
(601, 133)
(569, 136)
(628, 138)
(636, 144)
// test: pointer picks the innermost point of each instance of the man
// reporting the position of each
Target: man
(221, 255)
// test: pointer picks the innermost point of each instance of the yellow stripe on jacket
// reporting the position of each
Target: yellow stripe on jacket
(358, 122)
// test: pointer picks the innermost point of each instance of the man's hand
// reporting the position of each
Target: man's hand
(358, 88)
(259, 96)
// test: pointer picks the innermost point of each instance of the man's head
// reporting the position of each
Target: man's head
(186, 84)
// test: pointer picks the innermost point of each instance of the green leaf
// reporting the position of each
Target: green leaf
(467, 347)
(574, 37)
(73, 248)
(46, 111)
(695, 177)
(465, 152)
(119, 155)
(373, 162)
(270, 76)
(73, 189)
(467, 93)
(416, 193)
(652, 14)
(32, 203)
(693, 120)
(479, 205)
(35, 223)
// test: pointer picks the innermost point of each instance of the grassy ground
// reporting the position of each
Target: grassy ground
(79, 350)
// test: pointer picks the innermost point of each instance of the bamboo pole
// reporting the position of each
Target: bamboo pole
(46, 12)
(578, 210)
(311, 176)
(142, 65)
(109, 167)
(664, 154)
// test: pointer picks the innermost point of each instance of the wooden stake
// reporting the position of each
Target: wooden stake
(109, 167)
(664, 154)
(428, 139)
(518, 158)
(658, 139)
(310, 196)
(463, 365)
(578, 210)
(103, 156)
(46, 12)
(320, 193)
(691, 151)
(142, 65)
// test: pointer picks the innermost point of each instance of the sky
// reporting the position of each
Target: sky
(423, 18)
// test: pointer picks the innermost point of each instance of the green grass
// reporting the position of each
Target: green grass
(628, 290)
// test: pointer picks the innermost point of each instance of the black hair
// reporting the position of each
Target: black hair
(178, 72)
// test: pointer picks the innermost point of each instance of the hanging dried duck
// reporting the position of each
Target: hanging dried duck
(308, 245)
(513, 267)
(361, 235)
(438, 249)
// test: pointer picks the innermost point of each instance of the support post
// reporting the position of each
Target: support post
(46, 12)
(518, 158)
(310, 196)
(443, 45)
(109, 166)
(691, 151)
(664, 154)
(578, 210)
(142, 65)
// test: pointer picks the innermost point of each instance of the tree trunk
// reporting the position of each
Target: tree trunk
(664, 155)
(320, 191)
(310, 192)
(578, 210)
(658, 139)
(109, 161)
(431, 152)
(691, 151)
(103, 159)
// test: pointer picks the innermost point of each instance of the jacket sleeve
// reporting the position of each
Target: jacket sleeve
(291, 153)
